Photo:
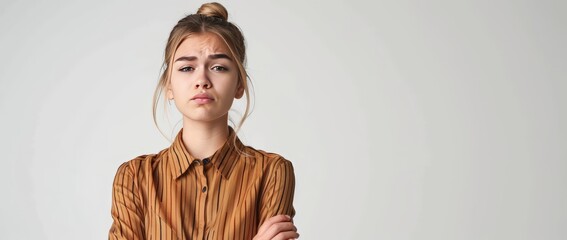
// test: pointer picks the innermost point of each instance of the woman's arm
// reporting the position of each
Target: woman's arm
(126, 206)
(277, 195)
(277, 227)
(276, 204)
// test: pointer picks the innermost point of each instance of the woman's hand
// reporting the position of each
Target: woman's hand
(278, 227)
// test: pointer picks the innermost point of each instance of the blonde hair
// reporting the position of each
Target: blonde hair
(211, 17)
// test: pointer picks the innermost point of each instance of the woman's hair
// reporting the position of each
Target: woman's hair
(210, 18)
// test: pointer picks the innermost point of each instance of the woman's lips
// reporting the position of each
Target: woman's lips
(202, 98)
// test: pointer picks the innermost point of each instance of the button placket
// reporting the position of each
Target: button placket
(203, 193)
(203, 177)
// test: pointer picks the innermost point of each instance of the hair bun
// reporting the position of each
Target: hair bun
(213, 9)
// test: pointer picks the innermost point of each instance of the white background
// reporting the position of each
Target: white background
(403, 119)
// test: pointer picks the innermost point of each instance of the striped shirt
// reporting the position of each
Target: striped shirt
(171, 195)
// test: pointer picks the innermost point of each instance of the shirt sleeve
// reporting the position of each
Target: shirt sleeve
(126, 212)
(277, 197)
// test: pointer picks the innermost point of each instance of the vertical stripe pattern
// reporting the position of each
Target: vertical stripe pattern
(171, 195)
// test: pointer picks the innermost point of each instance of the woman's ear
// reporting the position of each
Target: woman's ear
(239, 91)
(169, 94)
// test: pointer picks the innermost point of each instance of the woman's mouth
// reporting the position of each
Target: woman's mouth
(202, 98)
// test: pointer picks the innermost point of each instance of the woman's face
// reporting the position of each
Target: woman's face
(204, 78)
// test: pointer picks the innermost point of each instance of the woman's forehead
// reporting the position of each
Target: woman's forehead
(202, 44)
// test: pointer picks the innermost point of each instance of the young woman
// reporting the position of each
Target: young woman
(207, 184)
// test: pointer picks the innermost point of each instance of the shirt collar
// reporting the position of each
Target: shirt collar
(223, 159)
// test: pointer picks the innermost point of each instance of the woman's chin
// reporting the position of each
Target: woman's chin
(206, 117)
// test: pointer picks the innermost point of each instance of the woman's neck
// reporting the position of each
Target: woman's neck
(203, 139)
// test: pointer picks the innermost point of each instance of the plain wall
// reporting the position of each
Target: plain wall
(403, 119)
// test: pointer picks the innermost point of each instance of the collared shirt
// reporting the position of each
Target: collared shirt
(172, 195)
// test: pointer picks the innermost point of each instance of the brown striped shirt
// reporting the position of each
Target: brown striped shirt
(171, 195)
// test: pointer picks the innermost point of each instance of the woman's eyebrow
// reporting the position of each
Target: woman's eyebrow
(186, 58)
(219, 55)
(212, 56)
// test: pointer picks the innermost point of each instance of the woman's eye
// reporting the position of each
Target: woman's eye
(186, 69)
(219, 68)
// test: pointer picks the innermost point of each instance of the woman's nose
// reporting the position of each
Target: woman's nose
(203, 82)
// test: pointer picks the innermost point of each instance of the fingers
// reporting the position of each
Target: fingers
(283, 230)
(279, 227)
(286, 235)
(271, 221)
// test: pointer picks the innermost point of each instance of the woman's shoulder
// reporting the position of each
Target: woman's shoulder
(268, 159)
(134, 165)
(272, 165)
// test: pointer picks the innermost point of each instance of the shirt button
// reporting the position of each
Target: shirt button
(206, 160)
(204, 189)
